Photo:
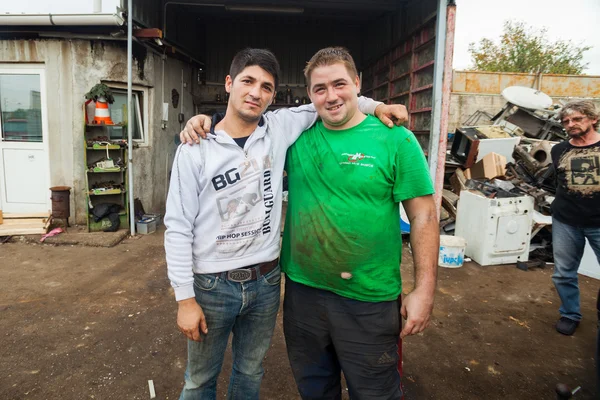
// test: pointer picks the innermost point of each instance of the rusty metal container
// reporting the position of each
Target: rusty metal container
(61, 201)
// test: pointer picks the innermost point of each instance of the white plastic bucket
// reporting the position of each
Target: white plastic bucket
(452, 251)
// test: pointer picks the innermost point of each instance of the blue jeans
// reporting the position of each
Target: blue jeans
(568, 243)
(247, 309)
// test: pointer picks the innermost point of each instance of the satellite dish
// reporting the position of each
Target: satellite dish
(527, 97)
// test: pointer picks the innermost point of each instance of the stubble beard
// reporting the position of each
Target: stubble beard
(249, 118)
(576, 135)
(580, 134)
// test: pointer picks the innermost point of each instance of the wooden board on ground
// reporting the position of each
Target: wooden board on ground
(25, 224)
(21, 216)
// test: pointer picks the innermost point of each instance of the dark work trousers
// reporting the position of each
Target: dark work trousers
(326, 334)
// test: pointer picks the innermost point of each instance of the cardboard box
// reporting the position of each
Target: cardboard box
(489, 167)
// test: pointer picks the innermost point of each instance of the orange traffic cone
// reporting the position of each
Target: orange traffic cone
(102, 115)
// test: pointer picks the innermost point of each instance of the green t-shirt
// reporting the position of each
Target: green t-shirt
(342, 231)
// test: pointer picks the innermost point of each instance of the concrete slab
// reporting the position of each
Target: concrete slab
(77, 236)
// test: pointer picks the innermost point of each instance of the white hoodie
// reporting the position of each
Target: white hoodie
(224, 203)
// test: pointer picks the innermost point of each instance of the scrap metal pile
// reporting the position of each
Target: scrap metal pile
(508, 158)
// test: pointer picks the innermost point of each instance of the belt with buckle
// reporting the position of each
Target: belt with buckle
(250, 273)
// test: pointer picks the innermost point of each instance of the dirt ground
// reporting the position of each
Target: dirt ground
(97, 323)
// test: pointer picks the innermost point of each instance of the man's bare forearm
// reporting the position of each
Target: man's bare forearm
(425, 243)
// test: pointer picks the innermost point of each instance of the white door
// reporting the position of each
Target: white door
(24, 169)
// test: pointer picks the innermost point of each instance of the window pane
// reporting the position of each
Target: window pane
(118, 114)
(21, 105)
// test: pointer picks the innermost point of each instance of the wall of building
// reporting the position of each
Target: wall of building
(473, 91)
(72, 68)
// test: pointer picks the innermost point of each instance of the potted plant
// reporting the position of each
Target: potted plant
(102, 96)
(100, 91)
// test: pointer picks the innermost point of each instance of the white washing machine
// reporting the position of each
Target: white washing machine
(497, 231)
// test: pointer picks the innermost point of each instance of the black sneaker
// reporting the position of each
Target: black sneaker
(566, 326)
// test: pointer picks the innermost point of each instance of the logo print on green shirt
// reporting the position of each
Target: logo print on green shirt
(357, 159)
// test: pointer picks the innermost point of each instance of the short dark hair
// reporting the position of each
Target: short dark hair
(329, 56)
(262, 58)
(585, 107)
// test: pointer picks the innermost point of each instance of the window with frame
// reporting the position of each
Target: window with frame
(139, 114)
(20, 107)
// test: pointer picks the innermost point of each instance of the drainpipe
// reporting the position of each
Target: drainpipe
(438, 140)
(97, 6)
(446, 92)
(129, 119)
(62, 19)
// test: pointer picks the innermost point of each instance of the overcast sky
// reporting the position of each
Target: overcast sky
(574, 20)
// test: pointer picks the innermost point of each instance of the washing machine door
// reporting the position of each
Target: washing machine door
(512, 234)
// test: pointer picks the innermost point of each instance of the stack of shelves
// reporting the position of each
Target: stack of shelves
(105, 184)
(405, 76)
(421, 92)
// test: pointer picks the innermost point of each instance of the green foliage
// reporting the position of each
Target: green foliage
(100, 90)
(524, 49)
(19, 113)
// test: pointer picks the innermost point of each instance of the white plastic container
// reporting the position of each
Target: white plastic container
(452, 251)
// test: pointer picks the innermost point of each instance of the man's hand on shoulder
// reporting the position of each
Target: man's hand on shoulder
(390, 114)
(416, 310)
(191, 319)
(197, 126)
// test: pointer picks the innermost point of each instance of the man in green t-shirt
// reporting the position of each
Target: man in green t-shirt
(342, 242)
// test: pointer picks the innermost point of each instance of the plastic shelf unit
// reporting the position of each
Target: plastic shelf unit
(93, 153)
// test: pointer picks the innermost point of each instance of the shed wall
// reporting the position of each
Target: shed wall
(72, 68)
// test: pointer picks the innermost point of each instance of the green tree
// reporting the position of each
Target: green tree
(525, 49)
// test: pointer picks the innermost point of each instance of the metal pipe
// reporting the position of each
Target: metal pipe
(97, 6)
(129, 119)
(436, 101)
(62, 19)
(446, 91)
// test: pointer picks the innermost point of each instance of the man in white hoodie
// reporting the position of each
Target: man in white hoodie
(223, 227)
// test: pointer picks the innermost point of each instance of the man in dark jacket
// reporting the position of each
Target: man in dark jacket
(575, 210)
